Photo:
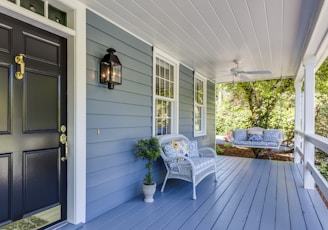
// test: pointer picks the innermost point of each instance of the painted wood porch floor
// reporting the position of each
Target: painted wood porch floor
(249, 194)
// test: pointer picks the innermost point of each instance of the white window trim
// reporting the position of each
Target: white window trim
(157, 53)
(202, 132)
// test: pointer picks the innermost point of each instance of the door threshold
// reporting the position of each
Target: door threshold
(65, 225)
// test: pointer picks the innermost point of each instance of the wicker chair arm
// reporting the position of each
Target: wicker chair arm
(207, 152)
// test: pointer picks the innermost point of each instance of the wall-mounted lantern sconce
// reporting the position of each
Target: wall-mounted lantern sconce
(110, 69)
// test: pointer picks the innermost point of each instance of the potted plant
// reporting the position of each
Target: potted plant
(148, 149)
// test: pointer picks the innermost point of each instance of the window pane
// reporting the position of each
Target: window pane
(158, 106)
(168, 109)
(161, 74)
(167, 72)
(157, 86)
(163, 117)
(157, 67)
(171, 90)
(199, 88)
(166, 86)
(57, 15)
(198, 112)
(197, 125)
(36, 6)
(161, 87)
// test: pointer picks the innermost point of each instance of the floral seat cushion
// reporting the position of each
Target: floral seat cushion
(176, 149)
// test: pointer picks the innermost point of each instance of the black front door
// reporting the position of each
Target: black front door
(32, 118)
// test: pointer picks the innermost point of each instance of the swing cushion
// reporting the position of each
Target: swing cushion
(271, 135)
(240, 135)
(255, 137)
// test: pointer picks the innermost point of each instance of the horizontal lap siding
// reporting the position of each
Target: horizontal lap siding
(186, 101)
(122, 115)
(210, 138)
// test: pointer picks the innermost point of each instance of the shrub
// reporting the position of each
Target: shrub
(219, 151)
(323, 168)
(228, 145)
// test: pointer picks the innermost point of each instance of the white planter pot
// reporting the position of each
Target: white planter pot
(149, 191)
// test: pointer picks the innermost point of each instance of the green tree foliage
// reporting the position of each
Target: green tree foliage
(321, 97)
(266, 104)
(321, 113)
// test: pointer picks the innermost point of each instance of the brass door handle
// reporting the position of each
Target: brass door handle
(63, 141)
(19, 59)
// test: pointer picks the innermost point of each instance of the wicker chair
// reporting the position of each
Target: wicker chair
(193, 168)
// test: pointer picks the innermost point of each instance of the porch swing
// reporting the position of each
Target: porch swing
(257, 137)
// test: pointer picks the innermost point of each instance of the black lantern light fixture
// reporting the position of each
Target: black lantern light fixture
(110, 69)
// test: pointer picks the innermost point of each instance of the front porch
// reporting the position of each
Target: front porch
(250, 194)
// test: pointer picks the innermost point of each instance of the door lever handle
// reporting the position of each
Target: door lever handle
(63, 141)
(19, 59)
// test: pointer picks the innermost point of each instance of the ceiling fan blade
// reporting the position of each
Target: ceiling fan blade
(257, 72)
(227, 75)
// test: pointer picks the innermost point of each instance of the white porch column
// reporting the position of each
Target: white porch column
(309, 90)
(298, 120)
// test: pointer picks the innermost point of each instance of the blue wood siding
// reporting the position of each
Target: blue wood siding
(186, 101)
(117, 118)
(123, 115)
(211, 131)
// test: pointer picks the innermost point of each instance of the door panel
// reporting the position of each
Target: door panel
(32, 175)
(5, 172)
(41, 179)
(5, 100)
(5, 38)
(52, 56)
(41, 105)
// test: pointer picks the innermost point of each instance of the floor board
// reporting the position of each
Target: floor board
(249, 194)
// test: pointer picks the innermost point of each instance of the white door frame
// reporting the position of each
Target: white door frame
(75, 33)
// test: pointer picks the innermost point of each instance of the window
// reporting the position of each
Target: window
(42, 8)
(200, 105)
(165, 94)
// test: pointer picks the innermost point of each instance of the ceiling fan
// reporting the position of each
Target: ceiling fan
(239, 72)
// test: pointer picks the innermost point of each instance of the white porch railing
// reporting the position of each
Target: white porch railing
(319, 142)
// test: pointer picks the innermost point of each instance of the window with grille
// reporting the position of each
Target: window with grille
(165, 98)
(199, 105)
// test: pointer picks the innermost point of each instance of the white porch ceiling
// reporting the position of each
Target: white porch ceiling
(207, 35)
